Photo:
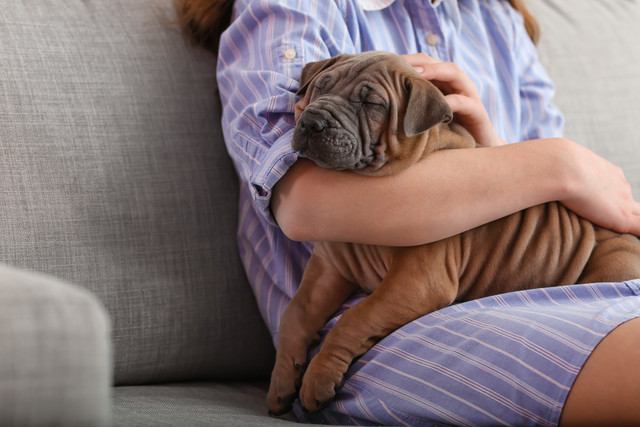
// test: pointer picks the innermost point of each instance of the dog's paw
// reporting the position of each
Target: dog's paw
(285, 381)
(319, 383)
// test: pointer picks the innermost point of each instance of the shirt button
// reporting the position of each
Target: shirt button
(432, 39)
(289, 54)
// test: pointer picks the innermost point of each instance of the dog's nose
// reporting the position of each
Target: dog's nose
(311, 123)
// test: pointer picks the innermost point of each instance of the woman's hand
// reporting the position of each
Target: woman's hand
(596, 189)
(461, 95)
(599, 191)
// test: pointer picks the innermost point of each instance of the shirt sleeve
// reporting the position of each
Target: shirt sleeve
(540, 117)
(259, 64)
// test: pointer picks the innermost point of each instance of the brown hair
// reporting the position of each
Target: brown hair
(530, 23)
(203, 21)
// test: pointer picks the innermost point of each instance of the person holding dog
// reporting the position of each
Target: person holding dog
(538, 358)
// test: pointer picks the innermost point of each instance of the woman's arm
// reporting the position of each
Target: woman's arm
(455, 190)
(449, 192)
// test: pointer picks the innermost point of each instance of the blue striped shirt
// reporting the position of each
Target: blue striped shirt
(259, 65)
(260, 61)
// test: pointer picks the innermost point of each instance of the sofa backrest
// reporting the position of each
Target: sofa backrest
(591, 50)
(114, 176)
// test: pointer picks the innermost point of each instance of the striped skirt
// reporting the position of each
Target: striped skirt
(509, 359)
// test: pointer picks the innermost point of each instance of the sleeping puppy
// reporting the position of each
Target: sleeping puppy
(374, 115)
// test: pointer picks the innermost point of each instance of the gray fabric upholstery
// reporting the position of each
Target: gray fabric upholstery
(114, 176)
(197, 404)
(591, 50)
(55, 358)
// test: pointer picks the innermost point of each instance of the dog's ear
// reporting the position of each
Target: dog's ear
(426, 107)
(312, 69)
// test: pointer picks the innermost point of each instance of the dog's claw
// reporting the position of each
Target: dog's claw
(283, 405)
(319, 384)
(286, 378)
(286, 399)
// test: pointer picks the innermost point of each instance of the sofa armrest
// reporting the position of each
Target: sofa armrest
(55, 353)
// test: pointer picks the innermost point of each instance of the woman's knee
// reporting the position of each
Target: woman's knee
(607, 389)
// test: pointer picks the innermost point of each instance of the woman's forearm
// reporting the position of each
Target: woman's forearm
(445, 194)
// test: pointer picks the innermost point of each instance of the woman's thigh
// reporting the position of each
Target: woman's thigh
(607, 389)
(511, 359)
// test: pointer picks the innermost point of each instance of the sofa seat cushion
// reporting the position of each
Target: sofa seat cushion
(194, 404)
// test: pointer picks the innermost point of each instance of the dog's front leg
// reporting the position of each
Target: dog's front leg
(420, 280)
(320, 294)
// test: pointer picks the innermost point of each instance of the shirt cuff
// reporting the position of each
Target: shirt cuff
(279, 158)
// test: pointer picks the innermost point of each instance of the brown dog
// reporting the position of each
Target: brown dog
(373, 114)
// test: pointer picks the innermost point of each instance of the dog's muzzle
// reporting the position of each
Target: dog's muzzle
(320, 137)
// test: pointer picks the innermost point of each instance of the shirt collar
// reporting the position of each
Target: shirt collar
(371, 5)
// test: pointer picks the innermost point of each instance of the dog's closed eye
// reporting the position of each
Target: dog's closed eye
(368, 96)
(375, 99)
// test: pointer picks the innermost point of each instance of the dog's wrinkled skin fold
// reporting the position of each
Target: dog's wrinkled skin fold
(370, 113)
(406, 120)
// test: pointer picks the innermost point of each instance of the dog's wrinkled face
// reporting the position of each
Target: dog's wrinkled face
(362, 112)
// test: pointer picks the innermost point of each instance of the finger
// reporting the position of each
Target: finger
(463, 105)
(450, 74)
(635, 228)
(419, 59)
(471, 114)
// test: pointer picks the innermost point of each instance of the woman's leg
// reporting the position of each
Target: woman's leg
(511, 359)
(607, 390)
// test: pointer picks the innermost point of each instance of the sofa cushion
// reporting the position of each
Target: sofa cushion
(114, 176)
(204, 404)
(591, 50)
(55, 362)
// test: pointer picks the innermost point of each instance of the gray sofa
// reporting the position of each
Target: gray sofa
(122, 299)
